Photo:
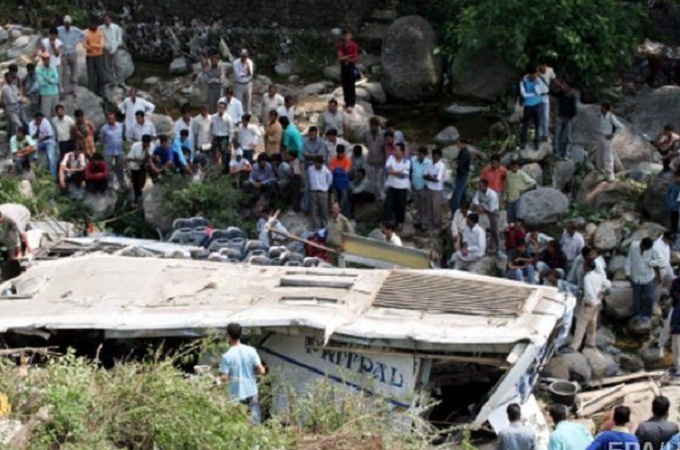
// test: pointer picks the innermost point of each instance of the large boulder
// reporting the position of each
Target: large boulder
(154, 210)
(608, 235)
(179, 66)
(164, 125)
(101, 205)
(563, 174)
(572, 366)
(486, 76)
(89, 102)
(543, 206)
(602, 364)
(447, 136)
(656, 109)
(629, 146)
(531, 154)
(356, 122)
(618, 304)
(596, 193)
(654, 198)
(535, 171)
(125, 67)
(616, 267)
(376, 90)
(412, 71)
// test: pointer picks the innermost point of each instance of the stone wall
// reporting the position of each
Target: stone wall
(256, 13)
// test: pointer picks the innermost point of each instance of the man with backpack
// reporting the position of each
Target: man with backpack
(608, 129)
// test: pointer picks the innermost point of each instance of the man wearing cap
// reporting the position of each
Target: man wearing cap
(48, 81)
(113, 39)
(244, 70)
(94, 52)
(69, 36)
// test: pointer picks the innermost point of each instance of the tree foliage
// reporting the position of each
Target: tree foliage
(586, 40)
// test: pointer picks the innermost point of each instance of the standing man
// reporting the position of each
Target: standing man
(141, 127)
(234, 107)
(48, 80)
(70, 37)
(221, 126)
(292, 138)
(9, 98)
(420, 165)
(137, 158)
(112, 137)
(643, 269)
(113, 39)
(348, 57)
(472, 245)
(186, 122)
(567, 435)
(516, 436)
(374, 140)
(516, 182)
(619, 437)
(338, 225)
(435, 177)
(546, 75)
(594, 286)
(672, 202)
(273, 134)
(239, 367)
(530, 90)
(609, 127)
(485, 201)
(129, 107)
(495, 174)
(658, 430)
(333, 118)
(271, 101)
(320, 180)
(572, 243)
(341, 166)
(213, 75)
(94, 51)
(42, 132)
(244, 70)
(202, 129)
(248, 137)
(463, 162)
(313, 146)
(52, 45)
(62, 126)
(566, 112)
(30, 88)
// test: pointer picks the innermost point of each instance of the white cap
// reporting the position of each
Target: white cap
(67, 19)
(244, 52)
(239, 152)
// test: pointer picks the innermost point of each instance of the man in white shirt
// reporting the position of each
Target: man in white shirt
(662, 245)
(248, 137)
(141, 127)
(244, 70)
(577, 273)
(643, 269)
(472, 247)
(70, 36)
(594, 286)
(272, 100)
(264, 235)
(572, 242)
(609, 127)
(434, 181)
(485, 201)
(288, 108)
(546, 75)
(234, 107)
(129, 107)
(388, 229)
(113, 39)
(62, 124)
(320, 180)
(42, 132)
(201, 126)
(72, 169)
(185, 122)
(239, 168)
(221, 127)
(137, 159)
(52, 45)
(333, 119)
(332, 141)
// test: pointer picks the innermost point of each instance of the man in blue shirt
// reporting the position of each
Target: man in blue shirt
(112, 138)
(239, 367)
(420, 165)
(162, 160)
(567, 435)
(530, 90)
(619, 436)
(292, 139)
(516, 436)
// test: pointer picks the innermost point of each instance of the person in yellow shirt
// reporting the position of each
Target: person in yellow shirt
(516, 182)
(94, 48)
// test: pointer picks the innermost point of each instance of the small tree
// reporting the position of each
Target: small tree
(587, 40)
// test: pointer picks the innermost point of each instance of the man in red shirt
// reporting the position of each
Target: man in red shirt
(494, 173)
(348, 56)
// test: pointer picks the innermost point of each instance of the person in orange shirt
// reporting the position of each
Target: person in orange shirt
(340, 166)
(494, 173)
(94, 51)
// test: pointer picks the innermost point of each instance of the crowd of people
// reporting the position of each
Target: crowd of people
(656, 433)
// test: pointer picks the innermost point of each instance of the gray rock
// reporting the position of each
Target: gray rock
(644, 171)
(356, 122)
(499, 131)
(602, 364)
(179, 66)
(647, 229)
(450, 152)
(14, 33)
(616, 267)
(26, 188)
(529, 153)
(294, 79)
(284, 68)
(412, 71)
(535, 171)
(572, 366)
(579, 154)
(296, 224)
(317, 88)
(652, 358)
(376, 90)
(4, 35)
(656, 109)
(608, 235)
(447, 136)
(486, 76)
(102, 206)
(619, 302)
(456, 109)
(486, 266)
(154, 211)
(362, 94)
(543, 206)
(639, 327)
(563, 173)
(151, 81)
(630, 362)
(605, 338)
(377, 235)
(125, 67)
(164, 125)
(90, 103)
(21, 42)
(597, 194)
(332, 73)
(654, 198)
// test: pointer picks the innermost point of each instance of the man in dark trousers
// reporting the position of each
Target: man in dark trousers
(566, 112)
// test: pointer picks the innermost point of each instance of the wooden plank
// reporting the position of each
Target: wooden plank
(624, 378)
